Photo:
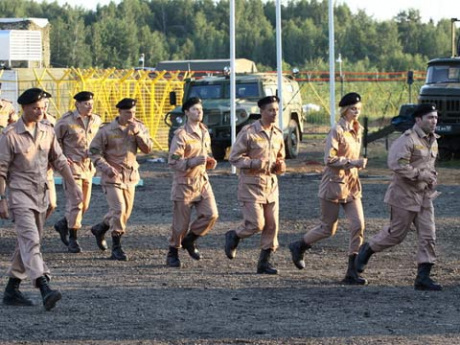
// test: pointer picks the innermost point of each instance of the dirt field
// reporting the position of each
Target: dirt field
(221, 301)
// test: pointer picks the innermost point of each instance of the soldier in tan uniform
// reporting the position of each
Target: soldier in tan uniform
(26, 149)
(50, 120)
(259, 154)
(410, 196)
(340, 186)
(8, 114)
(189, 158)
(113, 151)
(75, 130)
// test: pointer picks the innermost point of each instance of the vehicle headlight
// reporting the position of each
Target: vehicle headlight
(179, 120)
(243, 114)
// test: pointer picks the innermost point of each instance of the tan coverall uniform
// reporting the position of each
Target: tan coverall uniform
(340, 185)
(190, 186)
(409, 197)
(258, 188)
(75, 138)
(24, 161)
(7, 112)
(116, 146)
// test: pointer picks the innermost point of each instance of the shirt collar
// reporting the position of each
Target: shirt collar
(421, 133)
(21, 127)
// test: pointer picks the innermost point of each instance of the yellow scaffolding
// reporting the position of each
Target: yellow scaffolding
(151, 89)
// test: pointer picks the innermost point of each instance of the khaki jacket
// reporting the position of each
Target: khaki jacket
(340, 181)
(24, 163)
(252, 143)
(116, 146)
(6, 112)
(189, 184)
(413, 152)
(75, 140)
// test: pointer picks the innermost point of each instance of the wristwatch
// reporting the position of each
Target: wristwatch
(2, 197)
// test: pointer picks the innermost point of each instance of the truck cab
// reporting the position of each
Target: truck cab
(215, 94)
(442, 87)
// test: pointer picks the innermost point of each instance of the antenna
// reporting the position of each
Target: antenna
(455, 50)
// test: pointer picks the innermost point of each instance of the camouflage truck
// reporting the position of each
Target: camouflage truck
(215, 93)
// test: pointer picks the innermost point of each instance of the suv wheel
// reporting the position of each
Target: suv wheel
(292, 140)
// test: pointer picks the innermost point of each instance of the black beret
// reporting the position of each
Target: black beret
(126, 103)
(267, 100)
(423, 109)
(32, 95)
(350, 99)
(83, 96)
(190, 103)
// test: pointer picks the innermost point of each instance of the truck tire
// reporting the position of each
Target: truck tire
(219, 152)
(293, 140)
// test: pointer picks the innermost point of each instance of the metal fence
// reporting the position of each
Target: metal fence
(150, 89)
(382, 93)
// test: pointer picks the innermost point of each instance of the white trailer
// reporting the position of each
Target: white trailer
(21, 45)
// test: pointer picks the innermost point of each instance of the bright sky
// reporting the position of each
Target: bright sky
(380, 10)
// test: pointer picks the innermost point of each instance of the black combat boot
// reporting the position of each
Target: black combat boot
(74, 246)
(117, 251)
(50, 297)
(188, 243)
(352, 277)
(12, 295)
(231, 242)
(423, 280)
(99, 231)
(298, 249)
(63, 230)
(365, 252)
(264, 266)
(172, 259)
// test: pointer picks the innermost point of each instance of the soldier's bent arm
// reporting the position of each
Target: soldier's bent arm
(96, 152)
(399, 158)
(331, 156)
(143, 140)
(58, 161)
(239, 155)
(60, 130)
(6, 156)
(176, 159)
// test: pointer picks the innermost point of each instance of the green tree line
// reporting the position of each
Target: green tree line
(115, 35)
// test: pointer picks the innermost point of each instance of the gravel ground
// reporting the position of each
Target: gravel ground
(221, 301)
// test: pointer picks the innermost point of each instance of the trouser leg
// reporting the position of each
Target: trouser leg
(269, 236)
(328, 223)
(396, 232)
(355, 215)
(180, 222)
(426, 236)
(120, 203)
(206, 215)
(27, 260)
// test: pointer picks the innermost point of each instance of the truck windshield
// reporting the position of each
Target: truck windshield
(443, 74)
(244, 90)
(206, 91)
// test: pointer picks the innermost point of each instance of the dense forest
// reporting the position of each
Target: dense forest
(115, 35)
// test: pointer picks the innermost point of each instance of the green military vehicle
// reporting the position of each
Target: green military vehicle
(215, 93)
(442, 87)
